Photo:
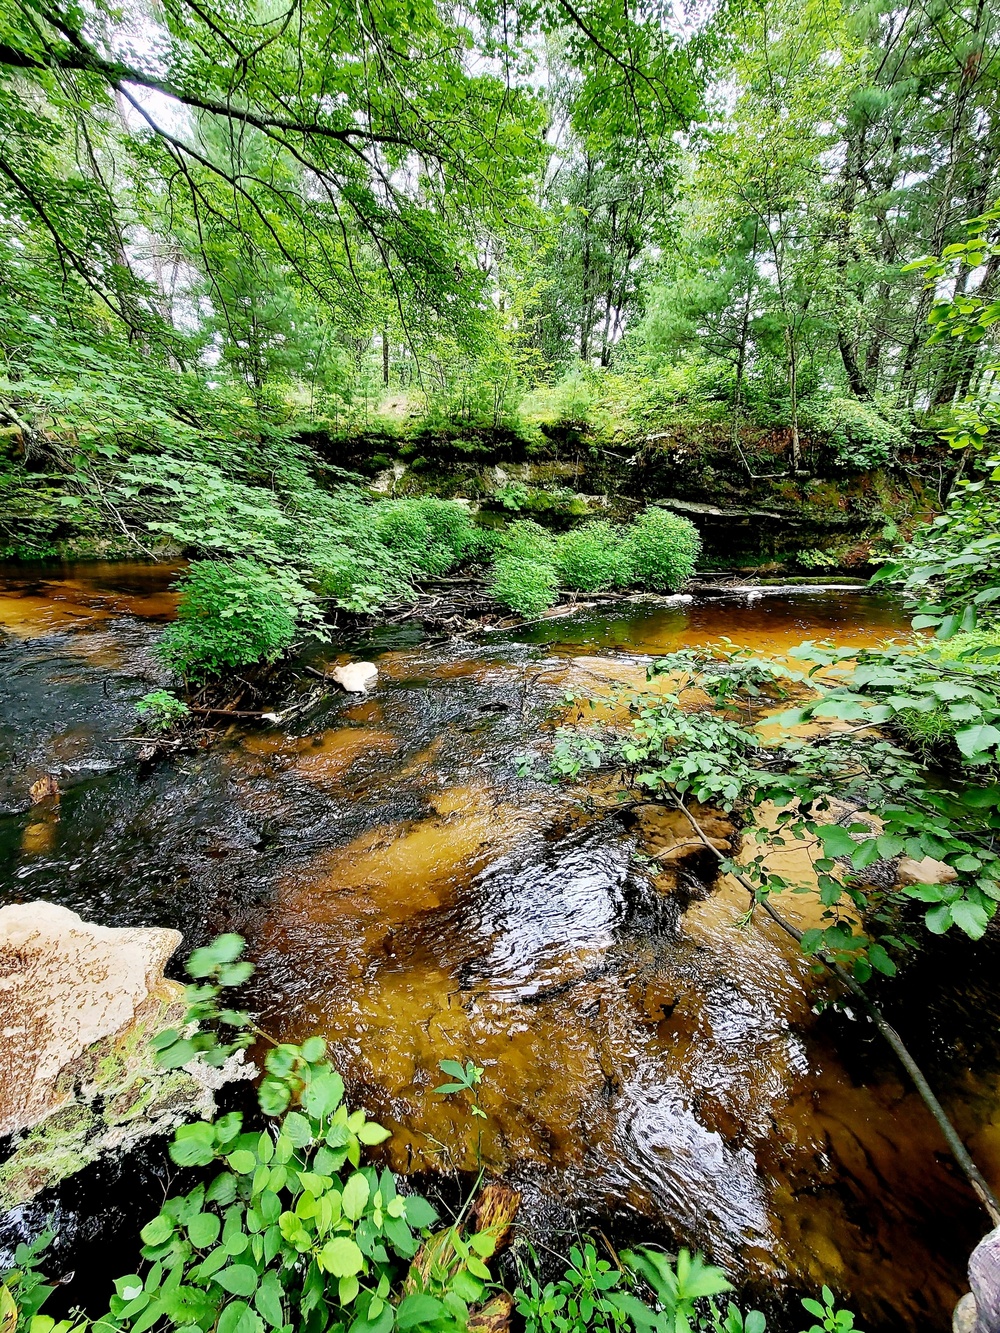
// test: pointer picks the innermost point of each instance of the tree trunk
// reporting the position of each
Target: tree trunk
(586, 303)
(970, 71)
(848, 200)
(385, 357)
(793, 393)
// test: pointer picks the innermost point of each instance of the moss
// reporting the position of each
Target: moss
(118, 1095)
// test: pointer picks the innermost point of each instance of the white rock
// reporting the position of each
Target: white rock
(926, 871)
(355, 677)
(65, 984)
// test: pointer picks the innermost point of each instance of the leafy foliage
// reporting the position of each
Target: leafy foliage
(592, 558)
(230, 615)
(160, 710)
(662, 549)
(525, 586)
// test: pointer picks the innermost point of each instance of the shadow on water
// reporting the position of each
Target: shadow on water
(651, 1068)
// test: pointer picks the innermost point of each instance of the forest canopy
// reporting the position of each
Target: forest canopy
(304, 199)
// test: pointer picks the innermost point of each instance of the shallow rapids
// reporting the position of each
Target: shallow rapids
(651, 1067)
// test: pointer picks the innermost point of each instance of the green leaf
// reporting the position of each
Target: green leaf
(420, 1213)
(193, 1145)
(323, 1096)
(341, 1257)
(970, 918)
(160, 1229)
(267, 1299)
(242, 1161)
(232, 1316)
(347, 1289)
(837, 841)
(418, 1308)
(273, 1096)
(978, 740)
(203, 1230)
(298, 1129)
(355, 1196)
(881, 961)
(239, 1279)
(938, 919)
(313, 1049)
(180, 1053)
(371, 1134)
(224, 949)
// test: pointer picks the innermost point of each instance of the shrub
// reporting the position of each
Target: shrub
(859, 434)
(980, 645)
(814, 559)
(232, 614)
(525, 586)
(526, 540)
(160, 710)
(662, 549)
(592, 558)
(431, 535)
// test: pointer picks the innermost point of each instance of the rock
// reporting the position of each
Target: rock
(79, 1004)
(984, 1279)
(65, 984)
(963, 1319)
(926, 871)
(355, 677)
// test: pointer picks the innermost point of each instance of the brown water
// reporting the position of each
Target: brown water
(650, 1067)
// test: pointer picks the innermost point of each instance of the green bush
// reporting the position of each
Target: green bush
(160, 710)
(527, 540)
(662, 549)
(232, 614)
(430, 535)
(592, 558)
(525, 586)
(859, 434)
(980, 645)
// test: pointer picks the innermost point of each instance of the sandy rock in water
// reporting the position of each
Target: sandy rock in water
(355, 677)
(926, 871)
(64, 985)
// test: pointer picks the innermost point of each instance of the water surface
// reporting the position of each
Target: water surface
(650, 1067)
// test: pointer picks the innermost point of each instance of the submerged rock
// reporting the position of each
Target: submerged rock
(78, 1006)
(355, 677)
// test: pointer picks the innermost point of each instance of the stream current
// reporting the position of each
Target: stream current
(651, 1068)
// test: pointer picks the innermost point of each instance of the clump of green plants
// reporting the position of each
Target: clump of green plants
(160, 711)
(650, 1293)
(231, 614)
(430, 535)
(980, 645)
(662, 550)
(593, 558)
(813, 558)
(527, 540)
(525, 586)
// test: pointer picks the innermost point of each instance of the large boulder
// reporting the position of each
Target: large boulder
(78, 1006)
(65, 984)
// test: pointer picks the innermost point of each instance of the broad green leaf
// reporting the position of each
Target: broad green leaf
(341, 1257)
(355, 1196)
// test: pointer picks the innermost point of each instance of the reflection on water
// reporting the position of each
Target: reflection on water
(651, 1066)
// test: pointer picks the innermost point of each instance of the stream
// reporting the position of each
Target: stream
(652, 1069)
